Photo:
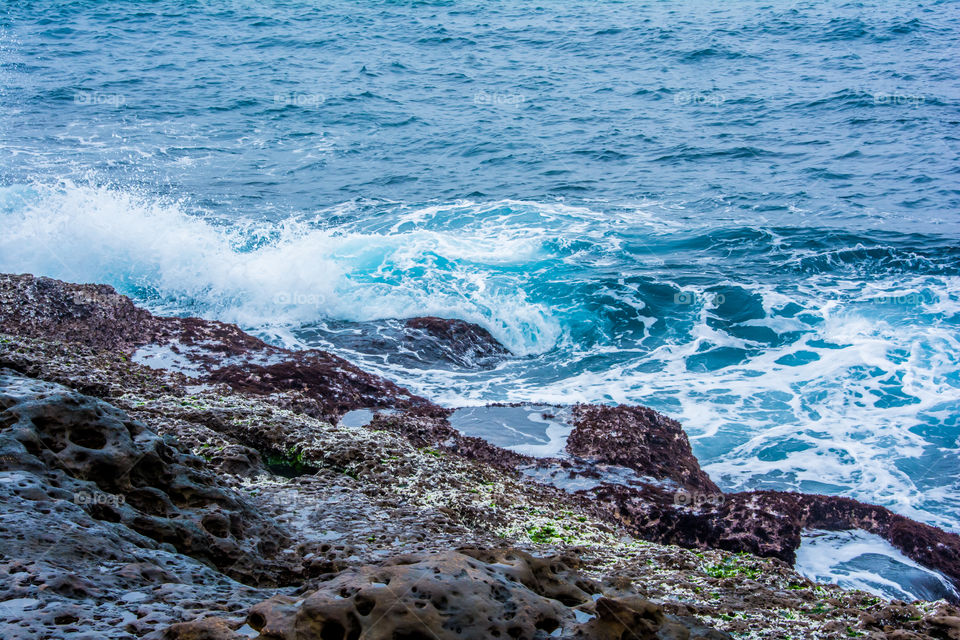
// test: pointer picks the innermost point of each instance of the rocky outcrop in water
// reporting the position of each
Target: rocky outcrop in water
(637, 438)
(312, 381)
(694, 513)
(669, 499)
(453, 340)
(771, 523)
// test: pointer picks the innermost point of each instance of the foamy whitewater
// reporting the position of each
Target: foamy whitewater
(745, 218)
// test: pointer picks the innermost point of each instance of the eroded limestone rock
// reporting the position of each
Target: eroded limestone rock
(120, 471)
(466, 595)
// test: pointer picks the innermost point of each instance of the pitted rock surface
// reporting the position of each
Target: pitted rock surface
(466, 595)
(122, 472)
(67, 575)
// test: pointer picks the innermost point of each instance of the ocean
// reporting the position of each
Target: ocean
(743, 214)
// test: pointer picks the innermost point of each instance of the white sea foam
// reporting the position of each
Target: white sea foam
(860, 560)
(293, 273)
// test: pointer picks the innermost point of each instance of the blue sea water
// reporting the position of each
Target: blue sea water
(745, 214)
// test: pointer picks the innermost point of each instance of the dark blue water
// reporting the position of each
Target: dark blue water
(744, 214)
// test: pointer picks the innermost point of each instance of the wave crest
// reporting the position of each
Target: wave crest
(256, 274)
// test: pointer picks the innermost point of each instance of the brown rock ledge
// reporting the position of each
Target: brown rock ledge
(204, 351)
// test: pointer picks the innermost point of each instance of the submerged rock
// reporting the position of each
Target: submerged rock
(415, 343)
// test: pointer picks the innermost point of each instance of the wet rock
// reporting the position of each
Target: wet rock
(314, 382)
(431, 428)
(640, 439)
(945, 622)
(155, 553)
(203, 629)
(204, 351)
(900, 621)
(771, 523)
(672, 500)
(425, 342)
(457, 341)
(94, 315)
(634, 617)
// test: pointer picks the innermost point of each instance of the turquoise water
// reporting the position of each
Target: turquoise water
(743, 214)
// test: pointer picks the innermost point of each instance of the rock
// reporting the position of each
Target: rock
(771, 523)
(640, 439)
(453, 340)
(66, 574)
(636, 618)
(312, 381)
(633, 618)
(470, 594)
(947, 623)
(415, 343)
(430, 428)
(203, 629)
(675, 502)
(900, 621)
(121, 472)
(150, 544)
(94, 315)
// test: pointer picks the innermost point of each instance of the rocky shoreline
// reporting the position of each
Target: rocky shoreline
(179, 478)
